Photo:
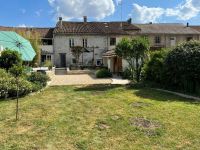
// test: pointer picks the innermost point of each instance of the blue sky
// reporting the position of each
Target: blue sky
(44, 13)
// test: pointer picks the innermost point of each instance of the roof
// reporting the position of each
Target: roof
(196, 28)
(109, 53)
(43, 32)
(101, 28)
(166, 28)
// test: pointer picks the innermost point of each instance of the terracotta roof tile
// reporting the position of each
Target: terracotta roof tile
(94, 28)
(166, 28)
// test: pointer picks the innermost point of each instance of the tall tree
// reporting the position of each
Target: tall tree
(140, 47)
(133, 51)
(35, 41)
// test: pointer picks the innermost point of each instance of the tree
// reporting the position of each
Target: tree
(9, 58)
(182, 67)
(17, 71)
(140, 46)
(76, 52)
(133, 51)
(35, 41)
(153, 68)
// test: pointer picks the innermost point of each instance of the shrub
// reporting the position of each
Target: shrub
(48, 64)
(8, 86)
(103, 73)
(39, 79)
(153, 69)
(25, 87)
(127, 74)
(5, 80)
(182, 67)
(9, 58)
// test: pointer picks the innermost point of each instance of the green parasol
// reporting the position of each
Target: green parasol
(15, 42)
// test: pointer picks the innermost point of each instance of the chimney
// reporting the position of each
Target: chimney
(188, 24)
(85, 19)
(129, 21)
(60, 21)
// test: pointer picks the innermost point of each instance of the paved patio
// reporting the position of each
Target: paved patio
(77, 80)
(82, 79)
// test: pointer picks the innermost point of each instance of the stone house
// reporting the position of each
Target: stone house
(96, 37)
(100, 38)
(167, 35)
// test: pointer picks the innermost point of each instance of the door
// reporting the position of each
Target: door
(117, 65)
(173, 41)
(63, 60)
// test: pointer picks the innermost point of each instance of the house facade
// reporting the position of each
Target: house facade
(99, 39)
(96, 37)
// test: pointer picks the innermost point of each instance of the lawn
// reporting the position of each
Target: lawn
(100, 117)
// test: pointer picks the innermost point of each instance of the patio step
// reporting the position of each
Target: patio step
(76, 72)
(60, 71)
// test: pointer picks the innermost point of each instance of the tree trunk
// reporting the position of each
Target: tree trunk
(17, 105)
(137, 69)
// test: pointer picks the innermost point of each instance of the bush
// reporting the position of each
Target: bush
(48, 64)
(25, 87)
(153, 69)
(8, 86)
(103, 73)
(9, 58)
(182, 67)
(5, 80)
(127, 74)
(39, 79)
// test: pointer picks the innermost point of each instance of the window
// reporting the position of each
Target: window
(157, 40)
(189, 39)
(112, 41)
(85, 43)
(99, 62)
(73, 61)
(47, 42)
(49, 57)
(45, 58)
(71, 43)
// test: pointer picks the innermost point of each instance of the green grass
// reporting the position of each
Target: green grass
(99, 117)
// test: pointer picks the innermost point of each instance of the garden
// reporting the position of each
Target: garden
(176, 69)
(83, 117)
(100, 117)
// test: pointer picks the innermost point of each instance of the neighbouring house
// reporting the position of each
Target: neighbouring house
(45, 35)
(100, 38)
(165, 35)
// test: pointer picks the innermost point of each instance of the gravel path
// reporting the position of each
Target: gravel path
(77, 80)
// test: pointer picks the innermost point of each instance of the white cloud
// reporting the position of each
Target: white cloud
(118, 2)
(144, 14)
(73, 9)
(22, 25)
(184, 11)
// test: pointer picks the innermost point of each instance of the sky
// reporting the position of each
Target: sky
(45, 13)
